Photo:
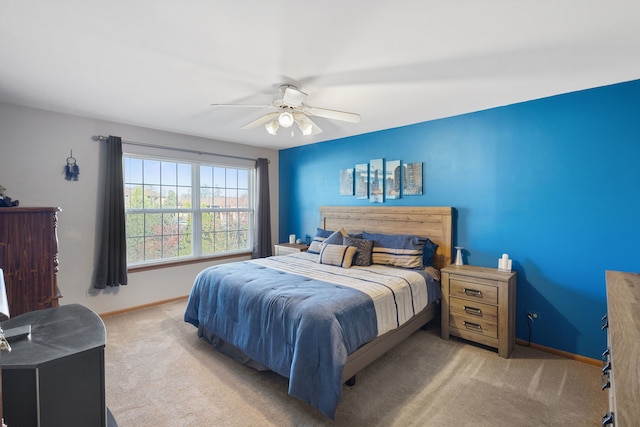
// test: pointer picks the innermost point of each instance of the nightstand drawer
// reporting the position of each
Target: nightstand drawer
(482, 328)
(473, 311)
(483, 291)
(474, 317)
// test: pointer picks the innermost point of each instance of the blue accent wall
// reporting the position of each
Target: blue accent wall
(554, 182)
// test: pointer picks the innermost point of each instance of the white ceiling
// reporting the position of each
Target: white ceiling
(160, 64)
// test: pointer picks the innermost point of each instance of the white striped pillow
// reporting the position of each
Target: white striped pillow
(399, 250)
(339, 255)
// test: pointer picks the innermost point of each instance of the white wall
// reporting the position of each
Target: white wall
(34, 147)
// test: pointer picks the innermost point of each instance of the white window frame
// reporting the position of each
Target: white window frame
(196, 161)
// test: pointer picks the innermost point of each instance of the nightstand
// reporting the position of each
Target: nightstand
(479, 305)
(289, 248)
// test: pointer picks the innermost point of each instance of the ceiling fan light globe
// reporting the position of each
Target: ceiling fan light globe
(285, 119)
(306, 128)
(272, 127)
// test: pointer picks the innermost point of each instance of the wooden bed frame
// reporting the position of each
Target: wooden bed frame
(432, 222)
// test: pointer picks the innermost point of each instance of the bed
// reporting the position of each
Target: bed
(319, 322)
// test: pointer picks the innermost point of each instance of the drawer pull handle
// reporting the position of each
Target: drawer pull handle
(607, 419)
(473, 292)
(471, 325)
(604, 322)
(473, 311)
(606, 361)
(606, 383)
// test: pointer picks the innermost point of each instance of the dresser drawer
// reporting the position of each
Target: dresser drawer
(485, 291)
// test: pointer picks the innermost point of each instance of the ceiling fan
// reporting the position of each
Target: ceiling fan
(290, 109)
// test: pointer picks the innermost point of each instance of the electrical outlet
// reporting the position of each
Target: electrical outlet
(533, 314)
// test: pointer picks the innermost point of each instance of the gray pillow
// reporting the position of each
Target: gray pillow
(364, 247)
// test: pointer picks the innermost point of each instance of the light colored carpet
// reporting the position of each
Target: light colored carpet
(159, 373)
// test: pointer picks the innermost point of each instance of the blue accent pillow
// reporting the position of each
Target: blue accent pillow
(430, 248)
(334, 239)
(398, 250)
(319, 238)
(364, 247)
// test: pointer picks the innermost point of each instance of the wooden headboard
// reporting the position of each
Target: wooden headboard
(426, 221)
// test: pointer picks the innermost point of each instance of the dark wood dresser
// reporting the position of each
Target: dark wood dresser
(29, 257)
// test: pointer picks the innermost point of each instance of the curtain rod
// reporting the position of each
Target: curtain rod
(184, 150)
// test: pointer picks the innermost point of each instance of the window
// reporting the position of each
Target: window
(182, 209)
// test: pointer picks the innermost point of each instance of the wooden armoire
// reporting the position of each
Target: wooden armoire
(29, 257)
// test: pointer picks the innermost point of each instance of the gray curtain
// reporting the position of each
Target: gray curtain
(262, 237)
(112, 262)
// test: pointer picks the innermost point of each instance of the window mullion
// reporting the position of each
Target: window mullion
(196, 229)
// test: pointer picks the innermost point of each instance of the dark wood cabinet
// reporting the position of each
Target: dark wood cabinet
(29, 257)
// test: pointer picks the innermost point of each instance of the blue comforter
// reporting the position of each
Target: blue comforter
(287, 323)
(301, 319)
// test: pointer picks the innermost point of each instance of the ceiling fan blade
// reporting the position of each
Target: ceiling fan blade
(332, 114)
(261, 120)
(243, 105)
(292, 96)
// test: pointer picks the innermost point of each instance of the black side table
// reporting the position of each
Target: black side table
(55, 376)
